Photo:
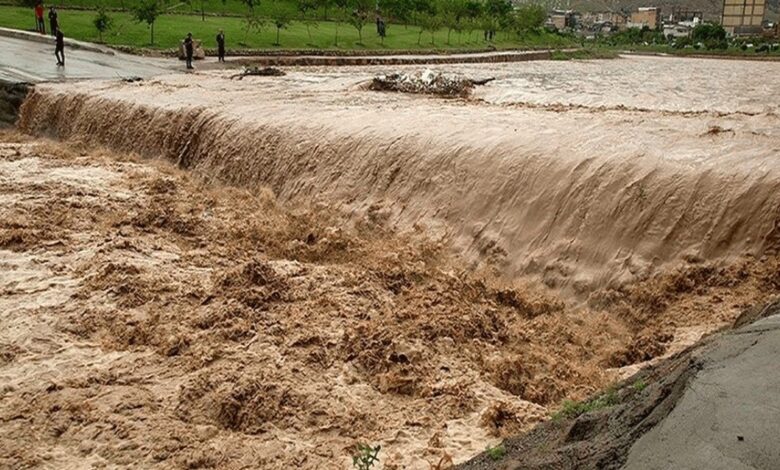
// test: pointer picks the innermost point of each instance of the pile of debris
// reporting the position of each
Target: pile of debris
(258, 72)
(426, 82)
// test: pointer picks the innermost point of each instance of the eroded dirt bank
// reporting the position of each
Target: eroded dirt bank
(151, 319)
(580, 196)
(707, 407)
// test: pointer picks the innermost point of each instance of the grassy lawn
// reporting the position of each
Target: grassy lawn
(171, 28)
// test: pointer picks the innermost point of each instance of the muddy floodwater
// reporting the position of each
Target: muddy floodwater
(200, 271)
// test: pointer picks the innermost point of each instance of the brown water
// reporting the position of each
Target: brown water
(597, 173)
(169, 320)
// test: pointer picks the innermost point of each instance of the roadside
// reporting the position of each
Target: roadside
(47, 39)
(22, 60)
(707, 407)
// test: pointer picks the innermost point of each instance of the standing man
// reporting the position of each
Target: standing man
(188, 50)
(40, 26)
(221, 46)
(54, 25)
(59, 48)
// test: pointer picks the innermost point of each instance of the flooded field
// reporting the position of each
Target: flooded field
(210, 272)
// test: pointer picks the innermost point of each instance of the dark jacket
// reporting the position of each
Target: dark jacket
(60, 41)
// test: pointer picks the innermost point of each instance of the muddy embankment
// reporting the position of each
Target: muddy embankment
(11, 97)
(706, 407)
(580, 200)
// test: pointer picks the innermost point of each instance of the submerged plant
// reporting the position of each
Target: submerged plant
(365, 456)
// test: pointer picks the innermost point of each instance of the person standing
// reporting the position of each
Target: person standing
(59, 48)
(40, 26)
(54, 25)
(188, 50)
(221, 46)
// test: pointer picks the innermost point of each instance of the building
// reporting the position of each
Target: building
(743, 17)
(647, 16)
(676, 31)
(562, 19)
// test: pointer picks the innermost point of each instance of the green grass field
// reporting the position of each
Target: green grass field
(171, 28)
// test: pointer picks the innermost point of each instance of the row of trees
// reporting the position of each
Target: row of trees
(488, 17)
(456, 16)
(707, 35)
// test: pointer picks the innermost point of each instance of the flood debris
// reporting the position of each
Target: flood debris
(259, 72)
(427, 82)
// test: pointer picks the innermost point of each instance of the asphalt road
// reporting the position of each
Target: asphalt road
(29, 61)
(729, 417)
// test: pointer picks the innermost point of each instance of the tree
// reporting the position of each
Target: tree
(251, 22)
(398, 10)
(251, 4)
(431, 23)
(281, 19)
(147, 12)
(453, 14)
(342, 5)
(324, 5)
(713, 36)
(304, 6)
(102, 22)
(528, 18)
(359, 16)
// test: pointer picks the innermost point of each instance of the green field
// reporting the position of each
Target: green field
(171, 28)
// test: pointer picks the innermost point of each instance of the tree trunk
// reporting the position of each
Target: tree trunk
(152, 27)
(277, 37)
(202, 10)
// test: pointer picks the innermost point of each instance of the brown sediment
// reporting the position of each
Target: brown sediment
(380, 270)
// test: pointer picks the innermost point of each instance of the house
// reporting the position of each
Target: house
(562, 19)
(646, 17)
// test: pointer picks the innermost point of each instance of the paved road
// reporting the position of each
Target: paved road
(29, 61)
(729, 417)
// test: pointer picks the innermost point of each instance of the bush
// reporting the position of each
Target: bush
(712, 44)
(705, 32)
(496, 453)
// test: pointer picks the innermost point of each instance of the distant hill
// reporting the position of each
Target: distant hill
(711, 8)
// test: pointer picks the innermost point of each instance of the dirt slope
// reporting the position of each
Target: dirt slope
(708, 407)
